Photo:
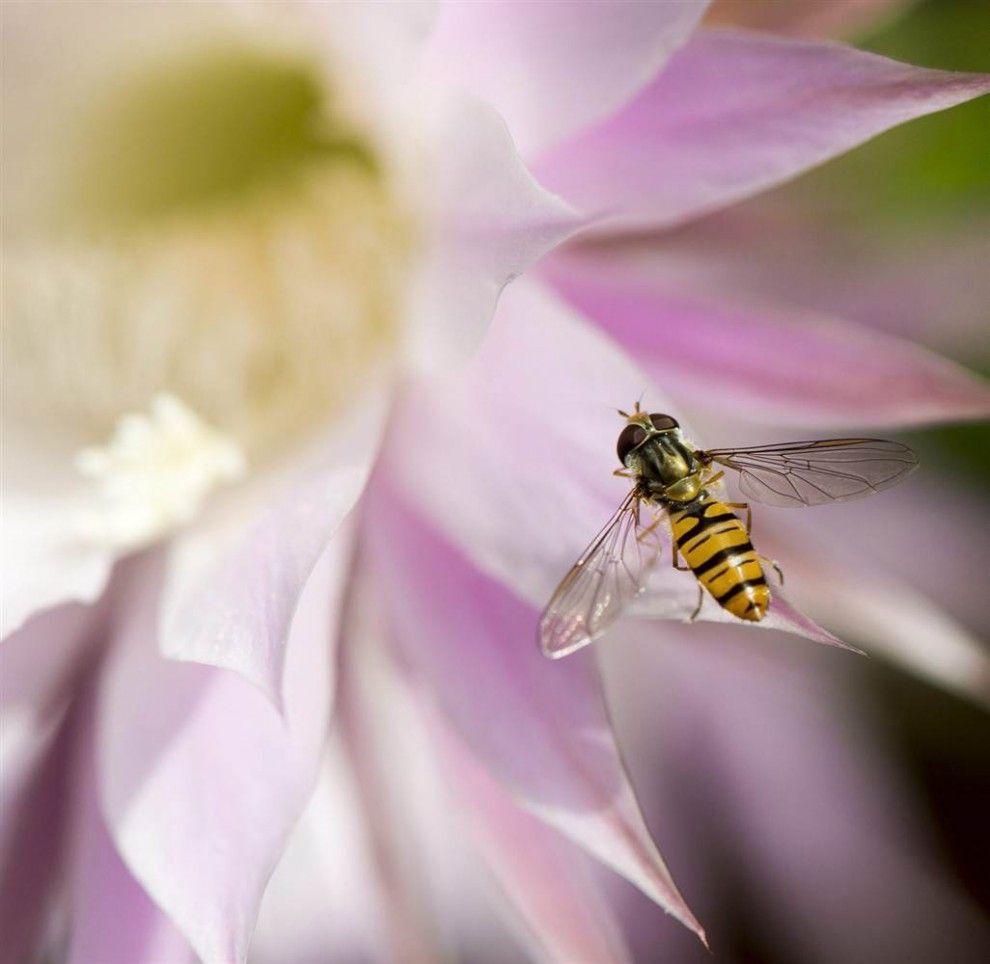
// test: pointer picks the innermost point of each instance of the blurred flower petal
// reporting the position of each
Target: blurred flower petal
(734, 114)
(674, 602)
(415, 859)
(797, 810)
(50, 568)
(543, 876)
(40, 502)
(839, 581)
(762, 361)
(202, 779)
(322, 903)
(40, 664)
(539, 727)
(112, 918)
(807, 18)
(235, 579)
(492, 221)
(898, 622)
(933, 290)
(36, 800)
(863, 541)
(409, 766)
(554, 67)
(779, 248)
(41, 668)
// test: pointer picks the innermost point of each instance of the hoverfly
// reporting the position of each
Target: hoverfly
(673, 484)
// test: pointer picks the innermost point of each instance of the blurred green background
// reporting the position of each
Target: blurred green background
(934, 178)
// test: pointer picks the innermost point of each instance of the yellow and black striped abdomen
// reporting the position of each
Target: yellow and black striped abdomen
(714, 543)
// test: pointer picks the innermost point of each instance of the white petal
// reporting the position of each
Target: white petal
(201, 778)
(552, 68)
(45, 562)
(234, 580)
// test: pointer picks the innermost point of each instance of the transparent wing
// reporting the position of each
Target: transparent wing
(816, 472)
(610, 573)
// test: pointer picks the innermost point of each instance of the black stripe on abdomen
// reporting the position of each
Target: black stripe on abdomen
(704, 523)
(739, 587)
(725, 555)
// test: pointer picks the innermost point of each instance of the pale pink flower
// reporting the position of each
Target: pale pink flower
(249, 255)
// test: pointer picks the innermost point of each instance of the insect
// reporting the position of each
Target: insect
(673, 483)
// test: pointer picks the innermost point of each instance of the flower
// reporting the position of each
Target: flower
(249, 254)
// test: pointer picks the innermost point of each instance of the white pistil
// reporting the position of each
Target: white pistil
(154, 473)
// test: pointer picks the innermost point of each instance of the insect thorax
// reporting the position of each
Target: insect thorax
(667, 468)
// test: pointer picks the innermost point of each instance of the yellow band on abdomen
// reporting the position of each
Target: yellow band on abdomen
(716, 546)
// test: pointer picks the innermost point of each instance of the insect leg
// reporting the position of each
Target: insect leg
(749, 531)
(776, 567)
(749, 514)
(697, 609)
(625, 473)
(712, 479)
(649, 530)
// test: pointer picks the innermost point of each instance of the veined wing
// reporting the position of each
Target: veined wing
(610, 573)
(816, 472)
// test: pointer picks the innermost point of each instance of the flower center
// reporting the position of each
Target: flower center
(225, 239)
(217, 126)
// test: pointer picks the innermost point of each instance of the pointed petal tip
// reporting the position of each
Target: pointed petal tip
(692, 923)
(717, 125)
(571, 775)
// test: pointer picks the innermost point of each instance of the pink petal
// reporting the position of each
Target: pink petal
(491, 221)
(41, 670)
(41, 663)
(201, 778)
(112, 919)
(554, 67)
(762, 361)
(322, 903)
(524, 441)
(539, 727)
(434, 894)
(737, 113)
(933, 290)
(674, 596)
(841, 577)
(235, 579)
(895, 621)
(807, 18)
(883, 537)
(783, 249)
(544, 878)
(37, 764)
(444, 830)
